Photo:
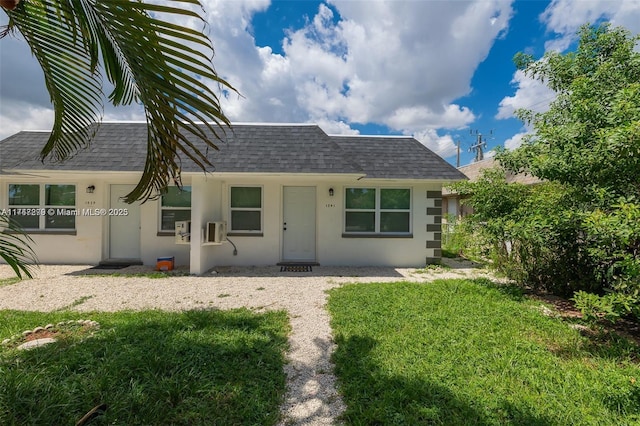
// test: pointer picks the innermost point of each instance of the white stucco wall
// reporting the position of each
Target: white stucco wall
(85, 247)
(331, 247)
(210, 202)
(336, 249)
(251, 250)
(90, 244)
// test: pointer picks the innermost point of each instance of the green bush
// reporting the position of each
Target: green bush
(613, 240)
(610, 307)
(525, 232)
(460, 239)
(580, 230)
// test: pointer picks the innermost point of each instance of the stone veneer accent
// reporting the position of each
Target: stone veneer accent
(434, 227)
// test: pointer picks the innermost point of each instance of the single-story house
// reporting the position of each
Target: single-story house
(277, 193)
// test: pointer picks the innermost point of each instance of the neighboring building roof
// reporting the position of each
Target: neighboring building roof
(246, 148)
(473, 171)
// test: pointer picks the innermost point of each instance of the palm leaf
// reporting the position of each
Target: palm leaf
(14, 247)
(74, 88)
(164, 66)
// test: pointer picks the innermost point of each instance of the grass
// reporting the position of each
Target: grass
(467, 352)
(9, 281)
(79, 301)
(433, 268)
(151, 367)
(149, 274)
(453, 237)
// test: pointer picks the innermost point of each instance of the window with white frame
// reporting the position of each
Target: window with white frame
(246, 209)
(175, 205)
(43, 206)
(377, 211)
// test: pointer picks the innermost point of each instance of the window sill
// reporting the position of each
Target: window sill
(46, 232)
(365, 235)
(165, 234)
(245, 234)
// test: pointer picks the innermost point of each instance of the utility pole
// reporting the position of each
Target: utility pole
(458, 155)
(481, 143)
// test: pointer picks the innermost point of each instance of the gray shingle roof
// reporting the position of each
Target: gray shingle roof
(247, 148)
(396, 158)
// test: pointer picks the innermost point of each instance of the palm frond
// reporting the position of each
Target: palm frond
(164, 66)
(15, 247)
(75, 89)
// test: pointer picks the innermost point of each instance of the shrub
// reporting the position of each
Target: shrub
(579, 231)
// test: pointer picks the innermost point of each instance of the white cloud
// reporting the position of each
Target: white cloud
(564, 17)
(25, 101)
(412, 118)
(383, 62)
(261, 77)
(489, 154)
(515, 141)
(444, 146)
(333, 127)
(22, 116)
(530, 94)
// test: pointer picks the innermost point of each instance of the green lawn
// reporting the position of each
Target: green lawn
(468, 352)
(152, 367)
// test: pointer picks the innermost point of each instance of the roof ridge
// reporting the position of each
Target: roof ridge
(370, 136)
(248, 148)
(233, 123)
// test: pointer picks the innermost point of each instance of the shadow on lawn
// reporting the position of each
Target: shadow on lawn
(198, 367)
(599, 342)
(312, 390)
(373, 397)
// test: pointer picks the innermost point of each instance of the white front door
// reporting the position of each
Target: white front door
(124, 229)
(299, 224)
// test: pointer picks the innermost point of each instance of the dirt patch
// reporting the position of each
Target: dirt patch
(42, 334)
(629, 329)
(566, 308)
(64, 329)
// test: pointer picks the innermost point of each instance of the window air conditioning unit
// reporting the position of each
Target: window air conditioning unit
(183, 232)
(216, 232)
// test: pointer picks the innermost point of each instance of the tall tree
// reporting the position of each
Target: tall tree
(589, 142)
(589, 139)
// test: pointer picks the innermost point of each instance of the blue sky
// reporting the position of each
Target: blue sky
(437, 70)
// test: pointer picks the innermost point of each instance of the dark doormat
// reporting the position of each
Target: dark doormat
(110, 267)
(296, 268)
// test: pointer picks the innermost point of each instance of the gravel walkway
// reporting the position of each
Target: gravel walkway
(311, 392)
